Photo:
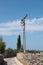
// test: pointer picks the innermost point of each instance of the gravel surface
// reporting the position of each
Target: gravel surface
(12, 61)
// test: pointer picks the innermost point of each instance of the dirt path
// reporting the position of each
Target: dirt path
(12, 61)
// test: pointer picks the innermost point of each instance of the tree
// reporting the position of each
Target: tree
(2, 46)
(19, 43)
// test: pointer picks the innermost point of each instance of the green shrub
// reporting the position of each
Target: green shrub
(2, 46)
(11, 52)
(33, 51)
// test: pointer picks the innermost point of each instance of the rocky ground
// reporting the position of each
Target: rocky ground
(31, 59)
(11, 61)
(26, 59)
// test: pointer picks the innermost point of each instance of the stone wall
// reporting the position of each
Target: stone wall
(30, 58)
(20, 57)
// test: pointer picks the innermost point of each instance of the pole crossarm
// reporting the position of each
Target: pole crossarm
(24, 17)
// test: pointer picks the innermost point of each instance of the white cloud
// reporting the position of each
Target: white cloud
(35, 24)
(15, 27)
(10, 28)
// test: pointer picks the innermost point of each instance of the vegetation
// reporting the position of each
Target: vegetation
(11, 52)
(2, 46)
(19, 43)
(33, 51)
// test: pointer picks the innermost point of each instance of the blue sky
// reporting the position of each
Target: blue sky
(11, 13)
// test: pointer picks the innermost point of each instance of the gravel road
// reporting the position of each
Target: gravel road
(12, 61)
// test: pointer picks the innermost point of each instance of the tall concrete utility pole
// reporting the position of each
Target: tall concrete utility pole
(24, 36)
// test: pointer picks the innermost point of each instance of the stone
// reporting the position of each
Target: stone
(1, 59)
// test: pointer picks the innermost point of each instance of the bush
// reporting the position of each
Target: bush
(33, 51)
(2, 46)
(11, 52)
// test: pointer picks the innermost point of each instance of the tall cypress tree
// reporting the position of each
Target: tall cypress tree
(19, 43)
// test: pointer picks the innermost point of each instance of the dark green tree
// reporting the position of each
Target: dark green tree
(19, 43)
(2, 46)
